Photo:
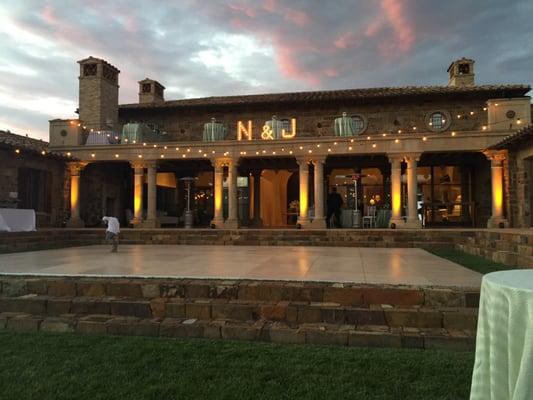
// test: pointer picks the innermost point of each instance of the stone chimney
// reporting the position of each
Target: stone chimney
(151, 91)
(98, 102)
(461, 72)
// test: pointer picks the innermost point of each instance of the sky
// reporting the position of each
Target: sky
(198, 48)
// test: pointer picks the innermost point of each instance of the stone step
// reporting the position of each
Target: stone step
(259, 291)
(290, 313)
(275, 332)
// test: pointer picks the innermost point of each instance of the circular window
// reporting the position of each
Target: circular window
(359, 123)
(63, 133)
(510, 114)
(438, 121)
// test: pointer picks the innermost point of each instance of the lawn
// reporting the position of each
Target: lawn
(475, 263)
(67, 366)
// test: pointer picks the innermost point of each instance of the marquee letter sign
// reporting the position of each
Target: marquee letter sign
(266, 132)
(243, 132)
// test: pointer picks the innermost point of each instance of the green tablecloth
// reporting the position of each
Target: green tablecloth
(504, 347)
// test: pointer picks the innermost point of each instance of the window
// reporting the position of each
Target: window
(437, 121)
(146, 88)
(109, 74)
(89, 70)
(464, 69)
(359, 123)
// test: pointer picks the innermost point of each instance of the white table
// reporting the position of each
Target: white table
(17, 220)
(504, 346)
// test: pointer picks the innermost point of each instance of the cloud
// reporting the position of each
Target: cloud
(201, 48)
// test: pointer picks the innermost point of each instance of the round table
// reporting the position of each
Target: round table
(504, 346)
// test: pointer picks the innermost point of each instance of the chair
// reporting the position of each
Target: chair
(370, 217)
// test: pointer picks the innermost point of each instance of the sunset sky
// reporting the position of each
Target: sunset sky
(202, 48)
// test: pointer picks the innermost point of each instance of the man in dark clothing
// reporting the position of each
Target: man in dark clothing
(334, 208)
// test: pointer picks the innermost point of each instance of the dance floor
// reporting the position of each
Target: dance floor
(410, 266)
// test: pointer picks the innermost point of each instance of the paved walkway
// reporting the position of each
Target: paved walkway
(332, 264)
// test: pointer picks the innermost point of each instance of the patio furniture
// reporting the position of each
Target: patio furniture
(504, 344)
(370, 217)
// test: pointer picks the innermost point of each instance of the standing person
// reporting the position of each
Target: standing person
(335, 203)
(111, 234)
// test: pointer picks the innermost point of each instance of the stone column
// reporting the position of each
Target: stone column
(151, 213)
(303, 218)
(497, 219)
(138, 181)
(396, 190)
(218, 195)
(233, 220)
(412, 191)
(75, 169)
(256, 173)
(319, 222)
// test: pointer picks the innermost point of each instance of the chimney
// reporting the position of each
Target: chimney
(461, 72)
(151, 91)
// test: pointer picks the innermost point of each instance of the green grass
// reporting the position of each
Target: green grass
(67, 366)
(476, 263)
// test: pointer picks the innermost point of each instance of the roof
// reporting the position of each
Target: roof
(13, 141)
(491, 91)
(515, 138)
(92, 59)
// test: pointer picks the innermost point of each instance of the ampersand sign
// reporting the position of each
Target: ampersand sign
(267, 133)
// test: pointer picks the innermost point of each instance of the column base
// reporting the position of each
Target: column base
(217, 223)
(231, 224)
(398, 223)
(75, 223)
(151, 224)
(303, 223)
(318, 223)
(136, 222)
(497, 222)
(412, 224)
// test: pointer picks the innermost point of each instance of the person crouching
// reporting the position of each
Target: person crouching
(111, 234)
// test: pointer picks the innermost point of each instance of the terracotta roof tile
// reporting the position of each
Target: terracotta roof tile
(515, 138)
(14, 141)
(349, 94)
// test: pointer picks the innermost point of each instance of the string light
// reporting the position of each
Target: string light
(310, 151)
(374, 145)
(140, 156)
(424, 138)
(17, 151)
(453, 133)
(368, 138)
(93, 155)
(399, 131)
(384, 134)
(116, 156)
(349, 147)
(144, 144)
(162, 156)
(155, 145)
(184, 155)
(484, 127)
(68, 153)
(43, 152)
(177, 149)
(290, 151)
(188, 150)
(329, 150)
(396, 140)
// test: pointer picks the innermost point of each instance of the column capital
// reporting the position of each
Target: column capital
(408, 157)
(221, 162)
(138, 164)
(395, 157)
(150, 164)
(318, 160)
(75, 167)
(495, 155)
(303, 160)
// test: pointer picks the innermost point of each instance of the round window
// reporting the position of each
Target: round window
(359, 123)
(437, 120)
(63, 133)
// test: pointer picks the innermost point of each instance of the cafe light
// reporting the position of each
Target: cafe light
(92, 155)
(116, 155)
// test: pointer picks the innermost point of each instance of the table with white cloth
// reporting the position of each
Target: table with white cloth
(503, 369)
(17, 220)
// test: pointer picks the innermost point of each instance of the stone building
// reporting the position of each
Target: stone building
(402, 157)
(33, 177)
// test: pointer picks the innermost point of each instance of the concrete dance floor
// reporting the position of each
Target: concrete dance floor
(333, 264)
